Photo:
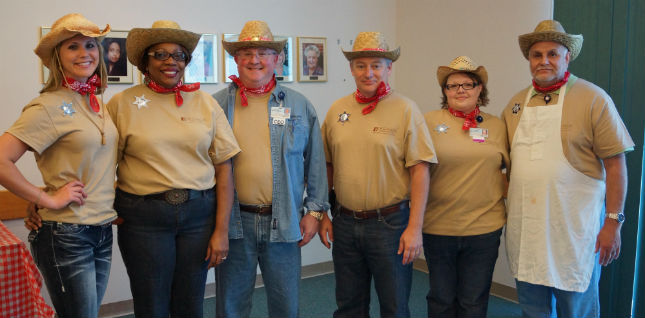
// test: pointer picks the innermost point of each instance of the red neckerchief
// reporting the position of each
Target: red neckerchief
(88, 87)
(381, 91)
(469, 119)
(180, 87)
(258, 91)
(554, 86)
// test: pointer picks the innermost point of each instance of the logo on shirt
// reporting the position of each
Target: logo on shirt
(384, 131)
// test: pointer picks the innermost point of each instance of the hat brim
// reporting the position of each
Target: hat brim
(391, 55)
(50, 40)
(444, 71)
(139, 39)
(573, 42)
(233, 47)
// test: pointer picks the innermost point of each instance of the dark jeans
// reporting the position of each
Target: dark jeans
(163, 248)
(460, 270)
(364, 249)
(74, 260)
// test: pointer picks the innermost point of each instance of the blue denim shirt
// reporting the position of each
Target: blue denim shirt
(297, 159)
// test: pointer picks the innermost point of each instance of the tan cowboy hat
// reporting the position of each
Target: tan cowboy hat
(372, 44)
(461, 64)
(64, 28)
(162, 31)
(254, 34)
(551, 30)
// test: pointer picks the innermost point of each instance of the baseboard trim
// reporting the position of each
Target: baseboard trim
(125, 307)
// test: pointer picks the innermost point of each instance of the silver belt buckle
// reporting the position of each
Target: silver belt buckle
(176, 196)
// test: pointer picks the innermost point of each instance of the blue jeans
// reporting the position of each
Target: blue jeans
(279, 263)
(460, 271)
(163, 248)
(74, 260)
(364, 249)
(537, 300)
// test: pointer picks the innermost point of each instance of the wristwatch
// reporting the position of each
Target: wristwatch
(316, 214)
(619, 217)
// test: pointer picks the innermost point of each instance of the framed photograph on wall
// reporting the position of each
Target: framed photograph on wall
(203, 66)
(229, 66)
(284, 67)
(44, 71)
(312, 59)
(118, 67)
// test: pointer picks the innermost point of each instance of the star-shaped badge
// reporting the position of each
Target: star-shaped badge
(516, 108)
(442, 129)
(67, 109)
(342, 118)
(141, 101)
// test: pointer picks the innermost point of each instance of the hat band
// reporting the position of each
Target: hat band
(373, 49)
(255, 38)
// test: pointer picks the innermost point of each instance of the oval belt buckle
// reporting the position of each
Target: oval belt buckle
(176, 196)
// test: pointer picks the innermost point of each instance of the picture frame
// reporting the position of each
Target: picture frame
(203, 65)
(44, 71)
(312, 59)
(118, 67)
(284, 68)
(229, 67)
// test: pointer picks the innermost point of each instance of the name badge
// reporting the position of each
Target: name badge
(478, 134)
(279, 115)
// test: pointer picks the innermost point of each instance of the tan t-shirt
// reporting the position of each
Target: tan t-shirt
(371, 153)
(162, 146)
(467, 186)
(591, 127)
(253, 172)
(65, 136)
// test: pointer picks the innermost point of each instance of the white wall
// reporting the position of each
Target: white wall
(430, 34)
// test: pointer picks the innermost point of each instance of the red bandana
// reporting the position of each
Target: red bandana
(554, 86)
(90, 87)
(381, 91)
(180, 87)
(470, 119)
(258, 91)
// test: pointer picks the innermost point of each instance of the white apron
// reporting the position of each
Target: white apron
(553, 209)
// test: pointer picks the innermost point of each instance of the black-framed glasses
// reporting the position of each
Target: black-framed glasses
(163, 55)
(466, 86)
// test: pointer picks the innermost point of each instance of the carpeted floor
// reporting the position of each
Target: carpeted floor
(317, 300)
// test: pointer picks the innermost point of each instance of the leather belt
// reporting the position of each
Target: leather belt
(368, 214)
(176, 196)
(259, 209)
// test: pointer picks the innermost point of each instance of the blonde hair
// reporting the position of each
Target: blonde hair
(56, 77)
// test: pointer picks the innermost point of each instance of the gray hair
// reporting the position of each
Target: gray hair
(312, 47)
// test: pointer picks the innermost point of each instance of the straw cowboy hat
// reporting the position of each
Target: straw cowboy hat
(551, 30)
(254, 34)
(162, 31)
(65, 28)
(461, 64)
(372, 44)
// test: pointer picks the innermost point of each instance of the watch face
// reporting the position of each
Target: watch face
(621, 217)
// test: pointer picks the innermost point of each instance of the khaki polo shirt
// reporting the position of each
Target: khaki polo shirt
(253, 171)
(591, 127)
(162, 146)
(65, 136)
(467, 185)
(371, 153)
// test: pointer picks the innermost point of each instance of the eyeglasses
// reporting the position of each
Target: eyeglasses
(466, 86)
(163, 55)
(265, 54)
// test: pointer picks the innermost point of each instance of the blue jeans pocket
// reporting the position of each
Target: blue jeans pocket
(68, 229)
(396, 221)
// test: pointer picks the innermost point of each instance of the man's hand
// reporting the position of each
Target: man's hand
(608, 242)
(308, 228)
(217, 248)
(411, 245)
(326, 231)
(33, 221)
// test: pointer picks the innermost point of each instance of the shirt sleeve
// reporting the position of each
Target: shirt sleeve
(224, 145)
(610, 134)
(35, 128)
(418, 143)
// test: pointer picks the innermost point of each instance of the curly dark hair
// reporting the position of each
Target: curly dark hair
(483, 95)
